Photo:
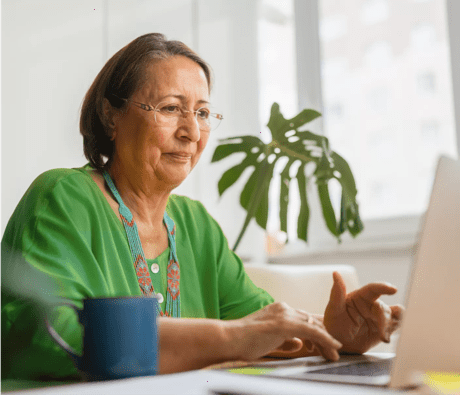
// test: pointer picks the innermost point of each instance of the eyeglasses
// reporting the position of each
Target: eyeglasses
(168, 114)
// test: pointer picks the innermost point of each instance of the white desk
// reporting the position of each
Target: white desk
(202, 382)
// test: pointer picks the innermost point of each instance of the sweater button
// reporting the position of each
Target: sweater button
(159, 298)
(155, 268)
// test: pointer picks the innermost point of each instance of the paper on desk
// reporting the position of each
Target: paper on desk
(443, 383)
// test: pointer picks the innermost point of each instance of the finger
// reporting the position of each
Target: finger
(371, 292)
(309, 346)
(319, 317)
(328, 353)
(338, 292)
(326, 345)
(315, 321)
(388, 319)
(316, 333)
(290, 345)
(322, 337)
(311, 319)
(381, 314)
(397, 312)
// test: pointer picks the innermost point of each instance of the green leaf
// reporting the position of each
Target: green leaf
(276, 120)
(355, 225)
(254, 183)
(346, 177)
(284, 194)
(262, 208)
(278, 125)
(254, 197)
(302, 118)
(328, 210)
(243, 144)
(350, 218)
(343, 226)
(324, 170)
(233, 174)
(304, 214)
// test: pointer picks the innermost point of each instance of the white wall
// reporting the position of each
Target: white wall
(52, 51)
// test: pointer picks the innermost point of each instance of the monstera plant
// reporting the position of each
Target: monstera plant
(297, 146)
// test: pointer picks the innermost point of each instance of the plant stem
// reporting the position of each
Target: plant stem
(243, 230)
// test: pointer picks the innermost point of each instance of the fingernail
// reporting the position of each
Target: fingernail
(334, 356)
(386, 337)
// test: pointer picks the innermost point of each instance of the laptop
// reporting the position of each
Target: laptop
(429, 338)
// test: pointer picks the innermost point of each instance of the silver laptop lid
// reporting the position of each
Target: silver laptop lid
(430, 332)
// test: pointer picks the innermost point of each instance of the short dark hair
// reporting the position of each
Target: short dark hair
(122, 75)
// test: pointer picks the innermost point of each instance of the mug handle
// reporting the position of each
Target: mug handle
(58, 339)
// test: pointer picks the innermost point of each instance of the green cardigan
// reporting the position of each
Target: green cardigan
(64, 241)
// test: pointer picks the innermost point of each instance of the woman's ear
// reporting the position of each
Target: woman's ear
(109, 119)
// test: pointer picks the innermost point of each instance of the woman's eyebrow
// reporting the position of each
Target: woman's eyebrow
(182, 98)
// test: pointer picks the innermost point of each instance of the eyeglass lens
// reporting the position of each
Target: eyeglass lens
(169, 114)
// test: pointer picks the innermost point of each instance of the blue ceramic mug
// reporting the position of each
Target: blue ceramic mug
(120, 338)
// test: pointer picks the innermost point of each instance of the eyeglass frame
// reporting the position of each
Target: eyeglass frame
(148, 107)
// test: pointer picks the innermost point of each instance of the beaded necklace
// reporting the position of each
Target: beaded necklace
(139, 261)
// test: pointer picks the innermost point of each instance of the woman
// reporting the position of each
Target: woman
(112, 228)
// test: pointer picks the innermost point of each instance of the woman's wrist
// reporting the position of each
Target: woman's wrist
(233, 340)
(188, 343)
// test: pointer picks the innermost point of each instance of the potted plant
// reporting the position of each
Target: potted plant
(297, 145)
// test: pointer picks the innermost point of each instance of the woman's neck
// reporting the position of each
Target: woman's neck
(144, 195)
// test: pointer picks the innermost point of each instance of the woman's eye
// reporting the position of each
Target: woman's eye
(170, 109)
(203, 113)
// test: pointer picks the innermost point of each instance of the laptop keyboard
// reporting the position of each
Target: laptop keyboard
(374, 368)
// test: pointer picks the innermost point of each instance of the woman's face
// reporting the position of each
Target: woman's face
(163, 153)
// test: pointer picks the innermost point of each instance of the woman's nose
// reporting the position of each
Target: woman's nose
(190, 127)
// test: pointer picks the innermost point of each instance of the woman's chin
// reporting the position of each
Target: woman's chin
(173, 173)
(174, 179)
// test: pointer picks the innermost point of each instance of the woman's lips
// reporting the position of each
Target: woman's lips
(183, 157)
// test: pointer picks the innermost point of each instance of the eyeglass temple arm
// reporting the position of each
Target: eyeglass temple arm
(145, 107)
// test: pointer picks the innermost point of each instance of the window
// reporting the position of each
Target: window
(374, 11)
(376, 94)
(334, 112)
(426, 83)
(387, 164)
(377, 100)
(278, 78)
(423, 36)
(333, 27)
(378, 55)
(429, 131)
(277, 58)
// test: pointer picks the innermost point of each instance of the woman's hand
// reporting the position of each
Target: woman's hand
(360, 320)
(278, 327)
